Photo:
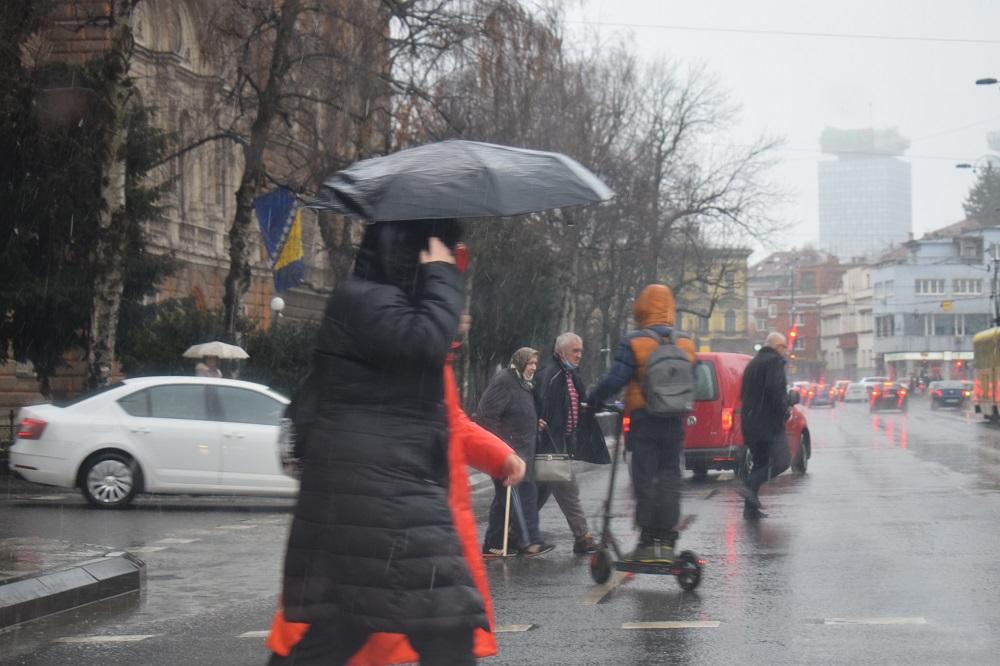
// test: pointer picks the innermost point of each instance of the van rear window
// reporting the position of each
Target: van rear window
(705, 385)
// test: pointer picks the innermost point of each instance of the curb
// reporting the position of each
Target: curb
(33, 596)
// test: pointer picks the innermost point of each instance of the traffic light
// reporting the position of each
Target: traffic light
(793, 336)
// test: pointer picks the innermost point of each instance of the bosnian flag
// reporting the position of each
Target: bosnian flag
(280, 222)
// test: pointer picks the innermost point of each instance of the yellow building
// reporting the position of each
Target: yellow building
(712, 306)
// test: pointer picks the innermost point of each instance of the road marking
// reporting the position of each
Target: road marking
(147, 549)
(511, 628)
(875, 620)
(597, 594)
(174, 540)
(694, 624)
(105, 639)
(235, 527)
(255, 634)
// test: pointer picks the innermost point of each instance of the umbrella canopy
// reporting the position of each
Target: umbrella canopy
(456, 179)
(216, 348)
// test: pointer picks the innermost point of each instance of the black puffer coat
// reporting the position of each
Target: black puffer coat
(507, 409)
(372, 542)
(764, 397)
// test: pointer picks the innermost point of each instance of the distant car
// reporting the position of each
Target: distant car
(856, 392)
(841, 387)
(823, 395)
(872, 382)
(179, 435)
(713, 439)
(888, 395)
(802, 388)
(949, 393)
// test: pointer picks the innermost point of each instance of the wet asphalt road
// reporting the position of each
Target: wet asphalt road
(885, 552)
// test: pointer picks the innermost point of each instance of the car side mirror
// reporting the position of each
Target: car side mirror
(793, 398)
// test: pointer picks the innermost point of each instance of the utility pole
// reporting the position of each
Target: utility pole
(995, 291)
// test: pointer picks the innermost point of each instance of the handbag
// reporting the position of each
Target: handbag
(553, 467)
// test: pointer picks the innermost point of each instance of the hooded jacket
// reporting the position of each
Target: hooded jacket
(468, 444)
(653, 309)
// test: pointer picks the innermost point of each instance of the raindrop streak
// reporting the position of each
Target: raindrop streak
(433, 574)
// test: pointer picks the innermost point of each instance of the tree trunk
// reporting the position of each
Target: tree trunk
(112, 218)
(240, 235)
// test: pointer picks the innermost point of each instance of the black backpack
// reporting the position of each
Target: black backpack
(668, 385)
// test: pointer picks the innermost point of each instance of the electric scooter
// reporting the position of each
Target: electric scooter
(686, 567)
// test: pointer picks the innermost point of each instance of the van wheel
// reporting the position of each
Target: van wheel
(801, 462)
(110, 480)
(700, 474)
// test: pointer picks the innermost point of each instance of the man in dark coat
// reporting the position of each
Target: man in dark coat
(765, 409)
(372, 546)
(558, 394)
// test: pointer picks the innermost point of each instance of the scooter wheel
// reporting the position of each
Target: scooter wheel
(690, 571)
(600, 566)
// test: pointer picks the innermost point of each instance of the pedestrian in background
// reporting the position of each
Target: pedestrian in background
(558, 393)
(764, 394)
(373, 547)
(208, 367)
(507, 409)
(656, 441)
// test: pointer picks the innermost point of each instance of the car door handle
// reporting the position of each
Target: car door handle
(235, 435)
(142, 431)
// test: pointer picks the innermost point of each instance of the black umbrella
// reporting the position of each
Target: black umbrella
(457, 179)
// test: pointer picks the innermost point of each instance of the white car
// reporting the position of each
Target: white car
(175, 435)
(856, 392)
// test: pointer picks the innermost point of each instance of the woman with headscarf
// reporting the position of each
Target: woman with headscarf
(507, 409)
(373, 547)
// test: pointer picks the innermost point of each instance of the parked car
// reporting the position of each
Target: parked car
(713, 439)
(823, 395)
(856, 392)
(949, 393)
(841, 387)
(888, 395)
(189, 435)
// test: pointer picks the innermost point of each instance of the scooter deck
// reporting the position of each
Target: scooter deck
(662, 569)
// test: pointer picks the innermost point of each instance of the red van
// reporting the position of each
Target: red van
(712, 436)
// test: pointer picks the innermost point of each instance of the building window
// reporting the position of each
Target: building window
(729, 281)
(772, 311)
(884, 326)
(761, 302)
(761, 325)
(967, 286)
(730, 322)
(878, 290)
(703, 324)
(929, 287)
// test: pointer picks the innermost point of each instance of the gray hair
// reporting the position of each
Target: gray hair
(774, 340)
(566, 339)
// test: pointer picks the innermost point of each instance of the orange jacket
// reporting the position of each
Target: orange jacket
(655, 305)
(468, 444)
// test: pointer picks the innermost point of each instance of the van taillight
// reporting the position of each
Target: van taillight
(727, 419)
(30, 428)
(626, 424)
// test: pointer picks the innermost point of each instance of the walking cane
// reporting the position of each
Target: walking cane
(506, 522)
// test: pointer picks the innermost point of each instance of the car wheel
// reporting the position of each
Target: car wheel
(110, 480)
(801, 462)
(744, 463)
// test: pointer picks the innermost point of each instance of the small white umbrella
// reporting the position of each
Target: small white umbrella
(215, 348)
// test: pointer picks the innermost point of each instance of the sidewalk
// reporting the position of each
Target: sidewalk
(40, 577)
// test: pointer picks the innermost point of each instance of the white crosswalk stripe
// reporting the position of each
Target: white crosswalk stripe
(135, 638)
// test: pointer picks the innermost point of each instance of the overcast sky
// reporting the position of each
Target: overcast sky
(918, 75)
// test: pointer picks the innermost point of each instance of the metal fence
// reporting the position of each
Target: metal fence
(6, 433)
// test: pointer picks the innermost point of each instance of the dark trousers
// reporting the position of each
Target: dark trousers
(332, 644)
(527, 493)
(656, 443)
(770, 457)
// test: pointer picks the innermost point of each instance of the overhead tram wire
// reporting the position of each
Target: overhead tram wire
(786, 33)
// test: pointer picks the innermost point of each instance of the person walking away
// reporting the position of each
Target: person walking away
(373, 547)
(507, 409)
(763, 415)
(558, 393)
(656, 436)
(208, 367)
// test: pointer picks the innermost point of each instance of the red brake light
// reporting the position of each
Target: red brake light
(727, 419)
(902, 391)
(875, 393)
(30, 428)
(626, 423)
